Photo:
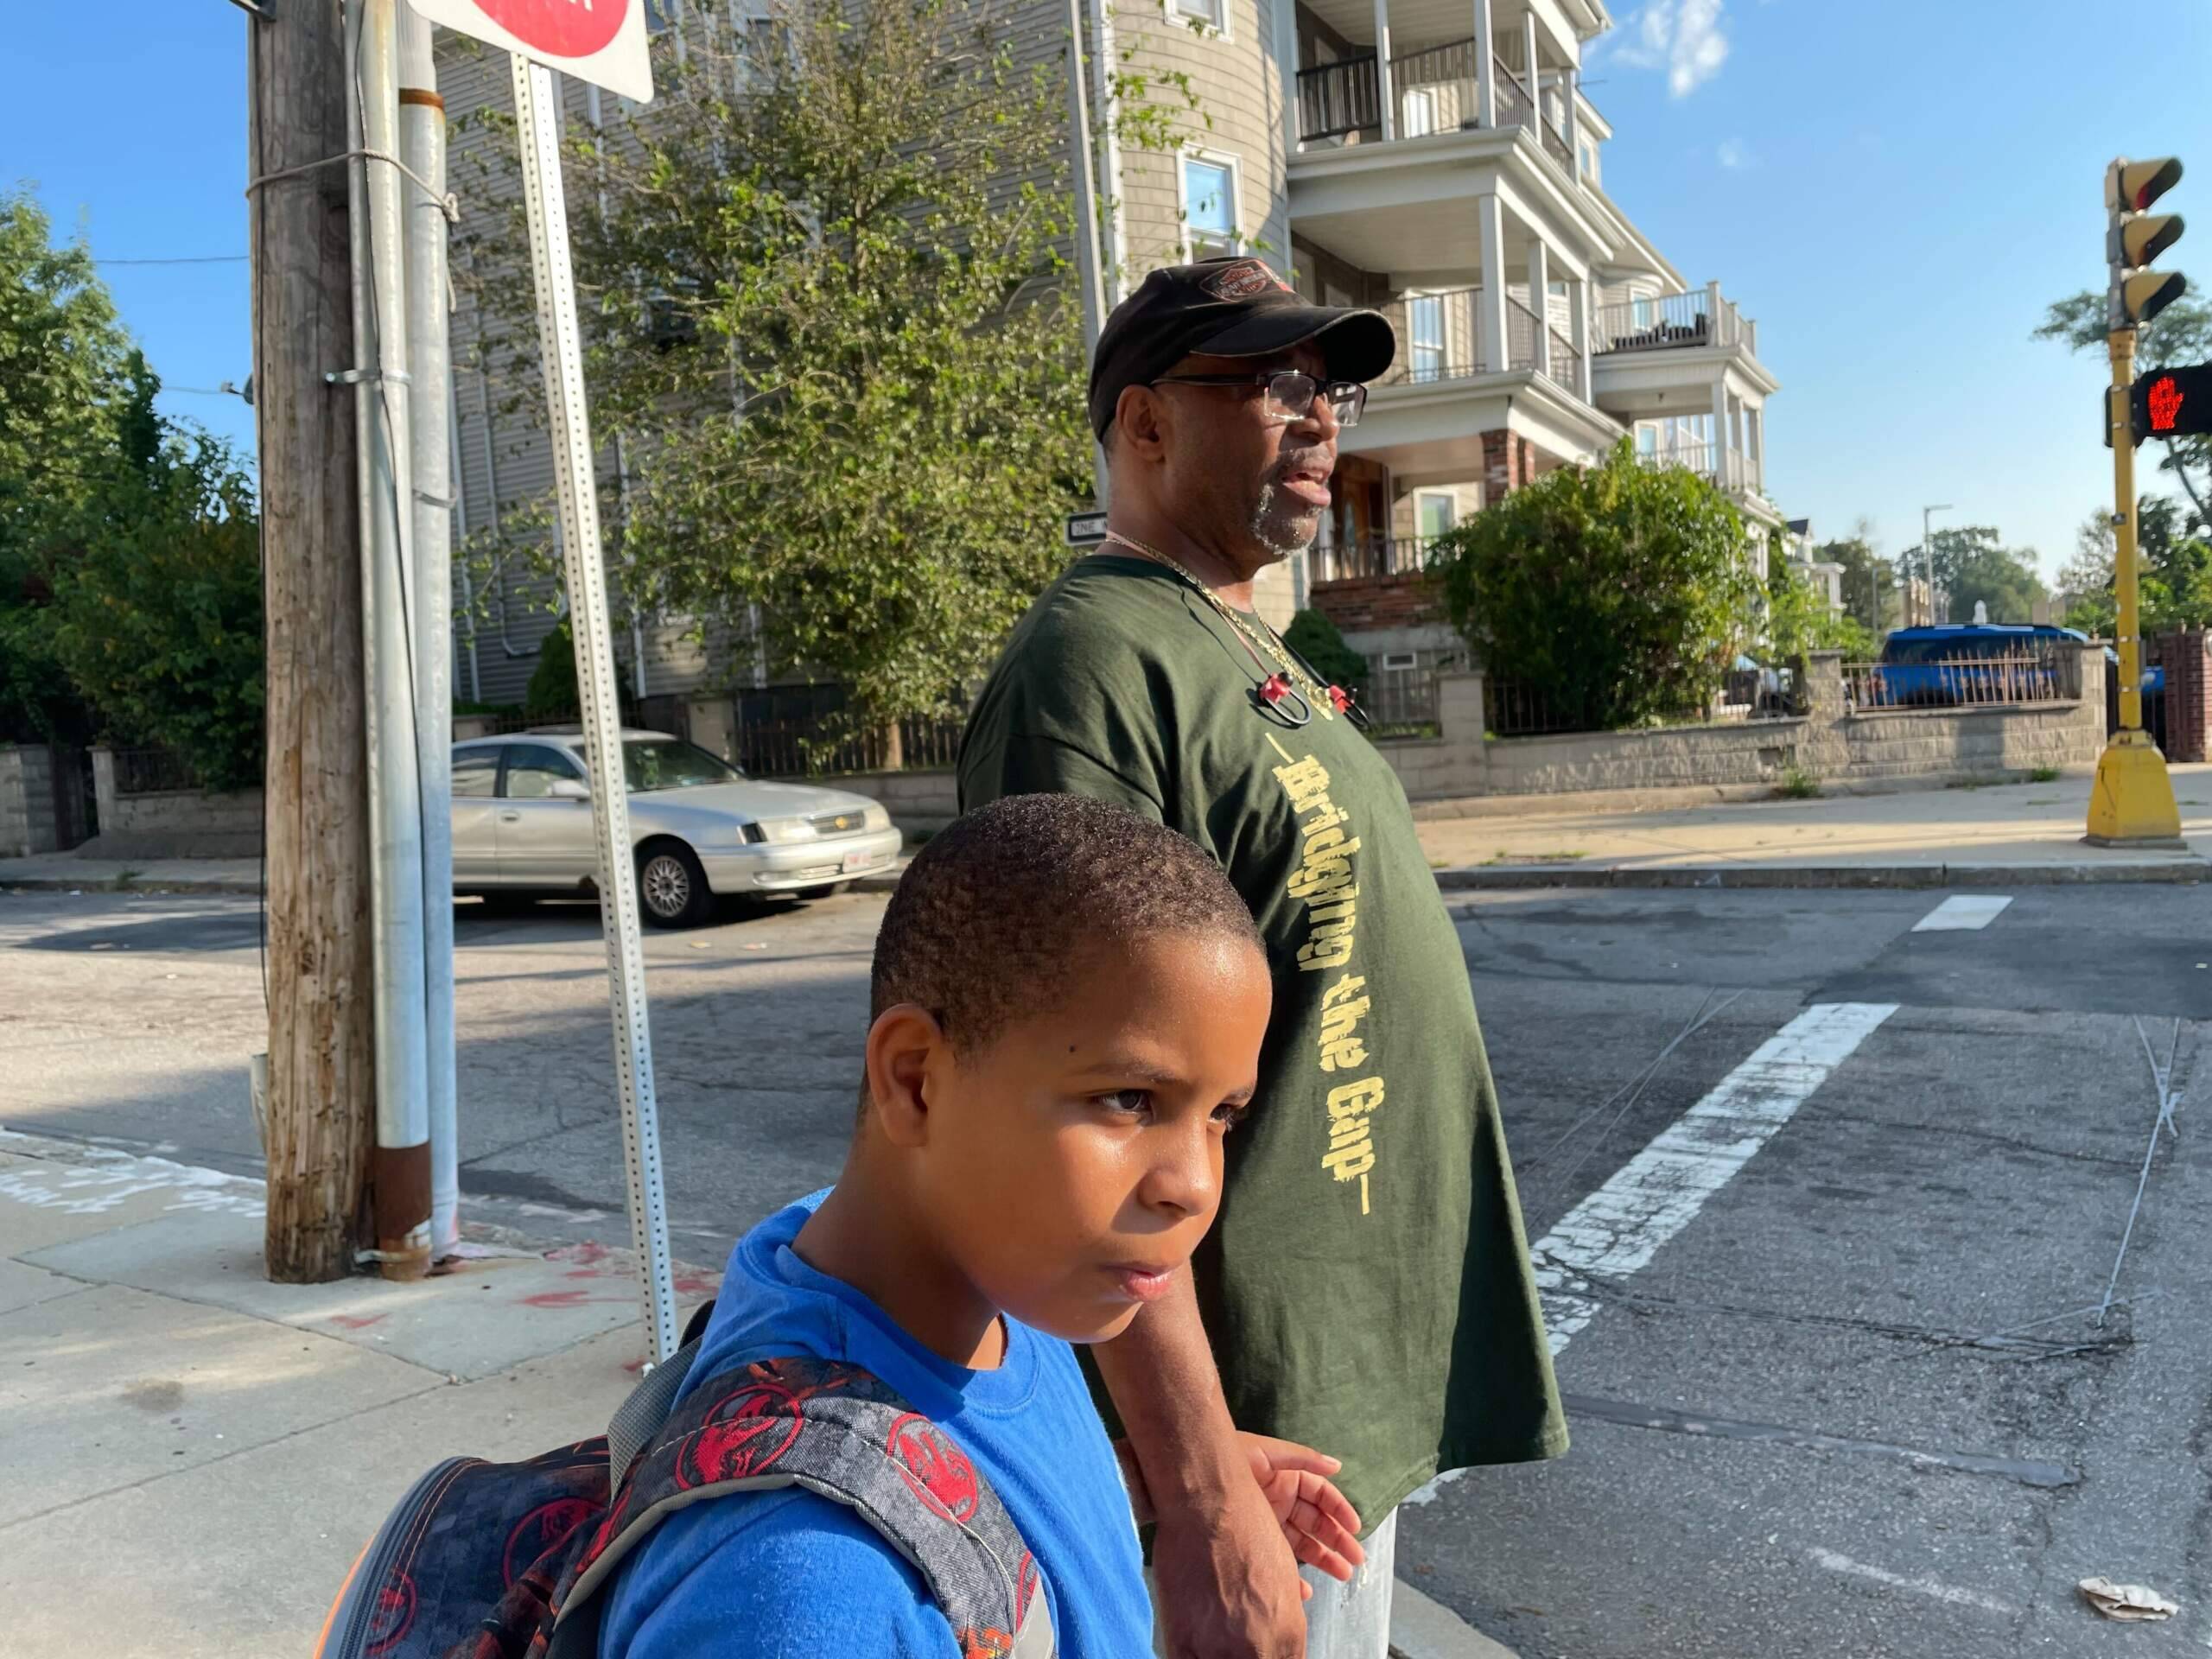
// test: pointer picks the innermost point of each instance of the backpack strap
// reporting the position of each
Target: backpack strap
(639, 1417)
(845, 1434)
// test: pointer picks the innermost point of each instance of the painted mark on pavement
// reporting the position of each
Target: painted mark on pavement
(107, 1179)
(1935, 1588)
(1618, 1228)
(1963, 913)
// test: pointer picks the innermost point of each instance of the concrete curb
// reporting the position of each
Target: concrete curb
(122, 884)
(2172, 872)
(1424, 1628)
(1904, 877)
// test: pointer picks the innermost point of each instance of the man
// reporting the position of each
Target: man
(1366, 1290)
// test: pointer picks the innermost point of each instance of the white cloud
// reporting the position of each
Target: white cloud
(1683, 37)
(1736, 156)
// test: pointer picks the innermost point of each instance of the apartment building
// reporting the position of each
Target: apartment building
(1436, 159)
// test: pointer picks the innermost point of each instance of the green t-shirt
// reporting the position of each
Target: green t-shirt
(1366, 1287)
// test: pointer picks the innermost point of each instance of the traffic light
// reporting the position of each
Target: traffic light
(2172, 402)
(2134, 239)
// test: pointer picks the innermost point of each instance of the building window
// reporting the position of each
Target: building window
(660, 15)
(1647, 439)
(1434, 514)
(1418, 115)
(1425, 337)
(1209, 12)
(1209, 207)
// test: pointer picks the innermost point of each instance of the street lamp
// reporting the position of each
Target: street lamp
(1928, 554)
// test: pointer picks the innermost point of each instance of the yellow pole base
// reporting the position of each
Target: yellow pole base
(2132, 802)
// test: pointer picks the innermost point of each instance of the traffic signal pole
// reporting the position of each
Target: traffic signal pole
(2131, 803)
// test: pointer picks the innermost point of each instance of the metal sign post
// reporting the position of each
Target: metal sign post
(575, 483)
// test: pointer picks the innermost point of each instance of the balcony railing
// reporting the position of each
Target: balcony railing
(1335, 99)
(1439, 338)
(1374, 555)
(1729, 469)
(1701, 318)
(1434, 90)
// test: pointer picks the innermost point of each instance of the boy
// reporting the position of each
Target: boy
(1067, 1007)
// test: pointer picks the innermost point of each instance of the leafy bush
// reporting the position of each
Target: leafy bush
(1316, 639)
(553, 693)
(1619, 590)
(157, 610)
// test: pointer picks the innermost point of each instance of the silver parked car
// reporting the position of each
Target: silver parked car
(521, 825)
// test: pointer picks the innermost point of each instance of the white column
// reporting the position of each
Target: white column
(1539, 298)
(1490, 302)
(1719, 449)
(1287, 66)
(1573, 125)
(1578, 307)
(1384, 95)
(1713, 321)
(1528, 69)
(1486, 66)
(1755, 447)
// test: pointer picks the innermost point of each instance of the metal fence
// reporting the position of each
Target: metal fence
(2021, 678)
(809, 746)
(1371, 556)
(152, 772)
(1400, 703)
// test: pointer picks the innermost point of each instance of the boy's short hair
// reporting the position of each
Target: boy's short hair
(996, 913)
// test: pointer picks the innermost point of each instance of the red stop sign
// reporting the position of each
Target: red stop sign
(559, 29)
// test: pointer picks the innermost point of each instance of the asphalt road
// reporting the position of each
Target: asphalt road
(1831, 1207)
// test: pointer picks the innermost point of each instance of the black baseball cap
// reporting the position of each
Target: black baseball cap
(1234, 307)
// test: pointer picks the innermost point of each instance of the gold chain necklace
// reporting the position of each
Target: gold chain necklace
(1276, 689)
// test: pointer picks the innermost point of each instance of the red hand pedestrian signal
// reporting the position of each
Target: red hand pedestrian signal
(2172, 402)
(2165, 400)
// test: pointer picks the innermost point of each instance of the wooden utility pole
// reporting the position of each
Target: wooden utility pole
(320, 1112)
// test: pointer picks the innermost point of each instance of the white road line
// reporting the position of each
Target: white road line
(1932, 1587)
(1618, 1228)
(1963, 913)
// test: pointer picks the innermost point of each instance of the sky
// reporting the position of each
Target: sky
(1895, 189)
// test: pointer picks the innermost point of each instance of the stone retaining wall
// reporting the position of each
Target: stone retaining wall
(1830, 744)
(27, 821)
(172, 823)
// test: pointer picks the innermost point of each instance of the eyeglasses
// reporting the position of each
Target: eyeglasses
(1291, 392)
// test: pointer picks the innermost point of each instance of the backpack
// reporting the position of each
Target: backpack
(506, 1560)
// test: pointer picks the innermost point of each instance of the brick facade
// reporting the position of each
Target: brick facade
(2189, 693)
(1365, 604)
(1508, 461)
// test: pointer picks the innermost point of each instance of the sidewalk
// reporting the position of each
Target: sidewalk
(2016, 832)
(1927, 837)
(195, 1455)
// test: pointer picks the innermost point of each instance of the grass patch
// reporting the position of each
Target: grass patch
(2043, 774)
(1798, 785)
(1496, 859)
(2042, 800)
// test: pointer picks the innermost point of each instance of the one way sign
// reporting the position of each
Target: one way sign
(1086, 529)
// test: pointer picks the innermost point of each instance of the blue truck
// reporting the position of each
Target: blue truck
(1957, 662)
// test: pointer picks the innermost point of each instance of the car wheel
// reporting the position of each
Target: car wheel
(672, 889)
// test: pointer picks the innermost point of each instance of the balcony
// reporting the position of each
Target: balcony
(1432, 90)
(1395, 556)
(1729, 469)
(1675, 321)
(1440, 337)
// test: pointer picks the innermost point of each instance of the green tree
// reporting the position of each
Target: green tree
(1869, 581)
(1798, 618)
(1621, 592)
(2179, 335)
(829, 314)
(68, 380)
(1972, 564)
(156, 613)
(1320, 641)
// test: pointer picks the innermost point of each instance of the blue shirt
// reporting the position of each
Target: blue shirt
(790, 1574)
